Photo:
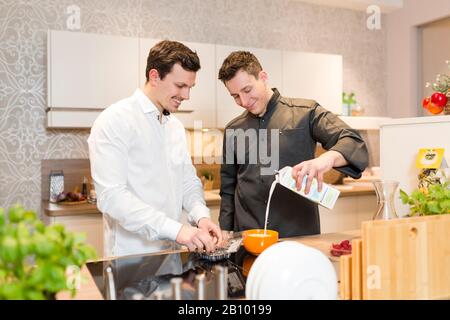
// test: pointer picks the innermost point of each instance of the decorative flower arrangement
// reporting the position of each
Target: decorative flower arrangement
(439, 101)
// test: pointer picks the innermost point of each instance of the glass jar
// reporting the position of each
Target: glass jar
(385, 190)
(357, 110)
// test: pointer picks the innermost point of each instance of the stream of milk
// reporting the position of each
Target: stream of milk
(272, 187)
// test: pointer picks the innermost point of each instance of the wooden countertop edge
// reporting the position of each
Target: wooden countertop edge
(349, 193)
(57, 210)
(89, 291)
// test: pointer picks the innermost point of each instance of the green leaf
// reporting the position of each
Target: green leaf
(29, 215)
(2, 217)
(31, 294)
(445, 206)
(16, 213)
(404, 197)
(43, 246)
(433, 207)
(12, 291)
(418, 195)
(9, 249)
(39, 226)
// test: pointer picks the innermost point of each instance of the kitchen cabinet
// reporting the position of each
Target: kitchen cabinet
(313, 76)
(91, 224)
(201, 104)
(271, 61)
(88, 72)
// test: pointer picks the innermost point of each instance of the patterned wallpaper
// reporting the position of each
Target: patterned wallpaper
(282, 24)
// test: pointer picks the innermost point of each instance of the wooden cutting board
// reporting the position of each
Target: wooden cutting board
(406, 258)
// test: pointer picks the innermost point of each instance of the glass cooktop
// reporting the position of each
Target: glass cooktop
(148, 276)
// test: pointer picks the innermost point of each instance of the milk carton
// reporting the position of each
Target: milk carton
(326, 198)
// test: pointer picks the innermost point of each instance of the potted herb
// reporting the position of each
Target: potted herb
(428, 201)
(35, 258)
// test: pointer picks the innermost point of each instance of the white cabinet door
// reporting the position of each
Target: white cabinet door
(145, 44)
(201, 104)
(313, 76)
(90, 70)
(89, 224)
(270, 60)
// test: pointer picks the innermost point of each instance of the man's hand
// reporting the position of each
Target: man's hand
(195, 239)
(316, 168)
(213, 229)
(226, 236)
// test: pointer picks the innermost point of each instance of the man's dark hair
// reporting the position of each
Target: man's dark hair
(239, 60)
(166, 53)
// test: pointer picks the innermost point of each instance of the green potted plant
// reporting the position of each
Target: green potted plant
(428, 201)
(35, 259)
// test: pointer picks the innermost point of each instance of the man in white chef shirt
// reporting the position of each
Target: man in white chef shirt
(141, 167)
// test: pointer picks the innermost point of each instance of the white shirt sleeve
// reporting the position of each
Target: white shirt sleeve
(193, 194)
(193, 198)
(108, 144)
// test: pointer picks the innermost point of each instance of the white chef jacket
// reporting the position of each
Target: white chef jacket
(143, 176)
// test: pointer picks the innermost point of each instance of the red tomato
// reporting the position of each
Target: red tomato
(439, 99)
(425, 102)
(434, 109)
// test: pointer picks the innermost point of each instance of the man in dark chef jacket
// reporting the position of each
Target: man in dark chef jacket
(284, 131)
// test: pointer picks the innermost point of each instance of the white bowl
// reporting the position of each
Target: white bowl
(290, 270)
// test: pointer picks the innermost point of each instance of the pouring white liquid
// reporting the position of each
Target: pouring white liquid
(272, 187)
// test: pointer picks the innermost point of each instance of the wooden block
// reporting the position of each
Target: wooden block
(345, 285)
(356, 269)
(407, 258)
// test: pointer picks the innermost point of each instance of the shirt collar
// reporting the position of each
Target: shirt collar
(147, 106)
(271, 105)
(273, 101)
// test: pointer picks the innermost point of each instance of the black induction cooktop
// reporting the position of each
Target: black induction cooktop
(148, 276)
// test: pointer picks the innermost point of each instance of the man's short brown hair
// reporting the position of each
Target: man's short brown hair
(239, 60)
(166, 53)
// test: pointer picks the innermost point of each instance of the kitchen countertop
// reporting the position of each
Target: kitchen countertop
(55, 209)
(88, 290)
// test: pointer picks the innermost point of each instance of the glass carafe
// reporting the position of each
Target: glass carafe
(385, 190)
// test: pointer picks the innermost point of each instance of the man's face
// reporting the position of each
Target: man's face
(174, 88)
(249, 92)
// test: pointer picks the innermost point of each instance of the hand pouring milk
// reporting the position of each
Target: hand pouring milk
(326, 198)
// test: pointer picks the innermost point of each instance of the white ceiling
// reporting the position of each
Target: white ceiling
(386, 6)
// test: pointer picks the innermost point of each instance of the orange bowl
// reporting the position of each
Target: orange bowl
(255, 241)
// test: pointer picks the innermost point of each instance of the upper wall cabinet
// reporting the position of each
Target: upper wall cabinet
(88, 71)
(313, 76)
(271, 61)
(201, 104)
